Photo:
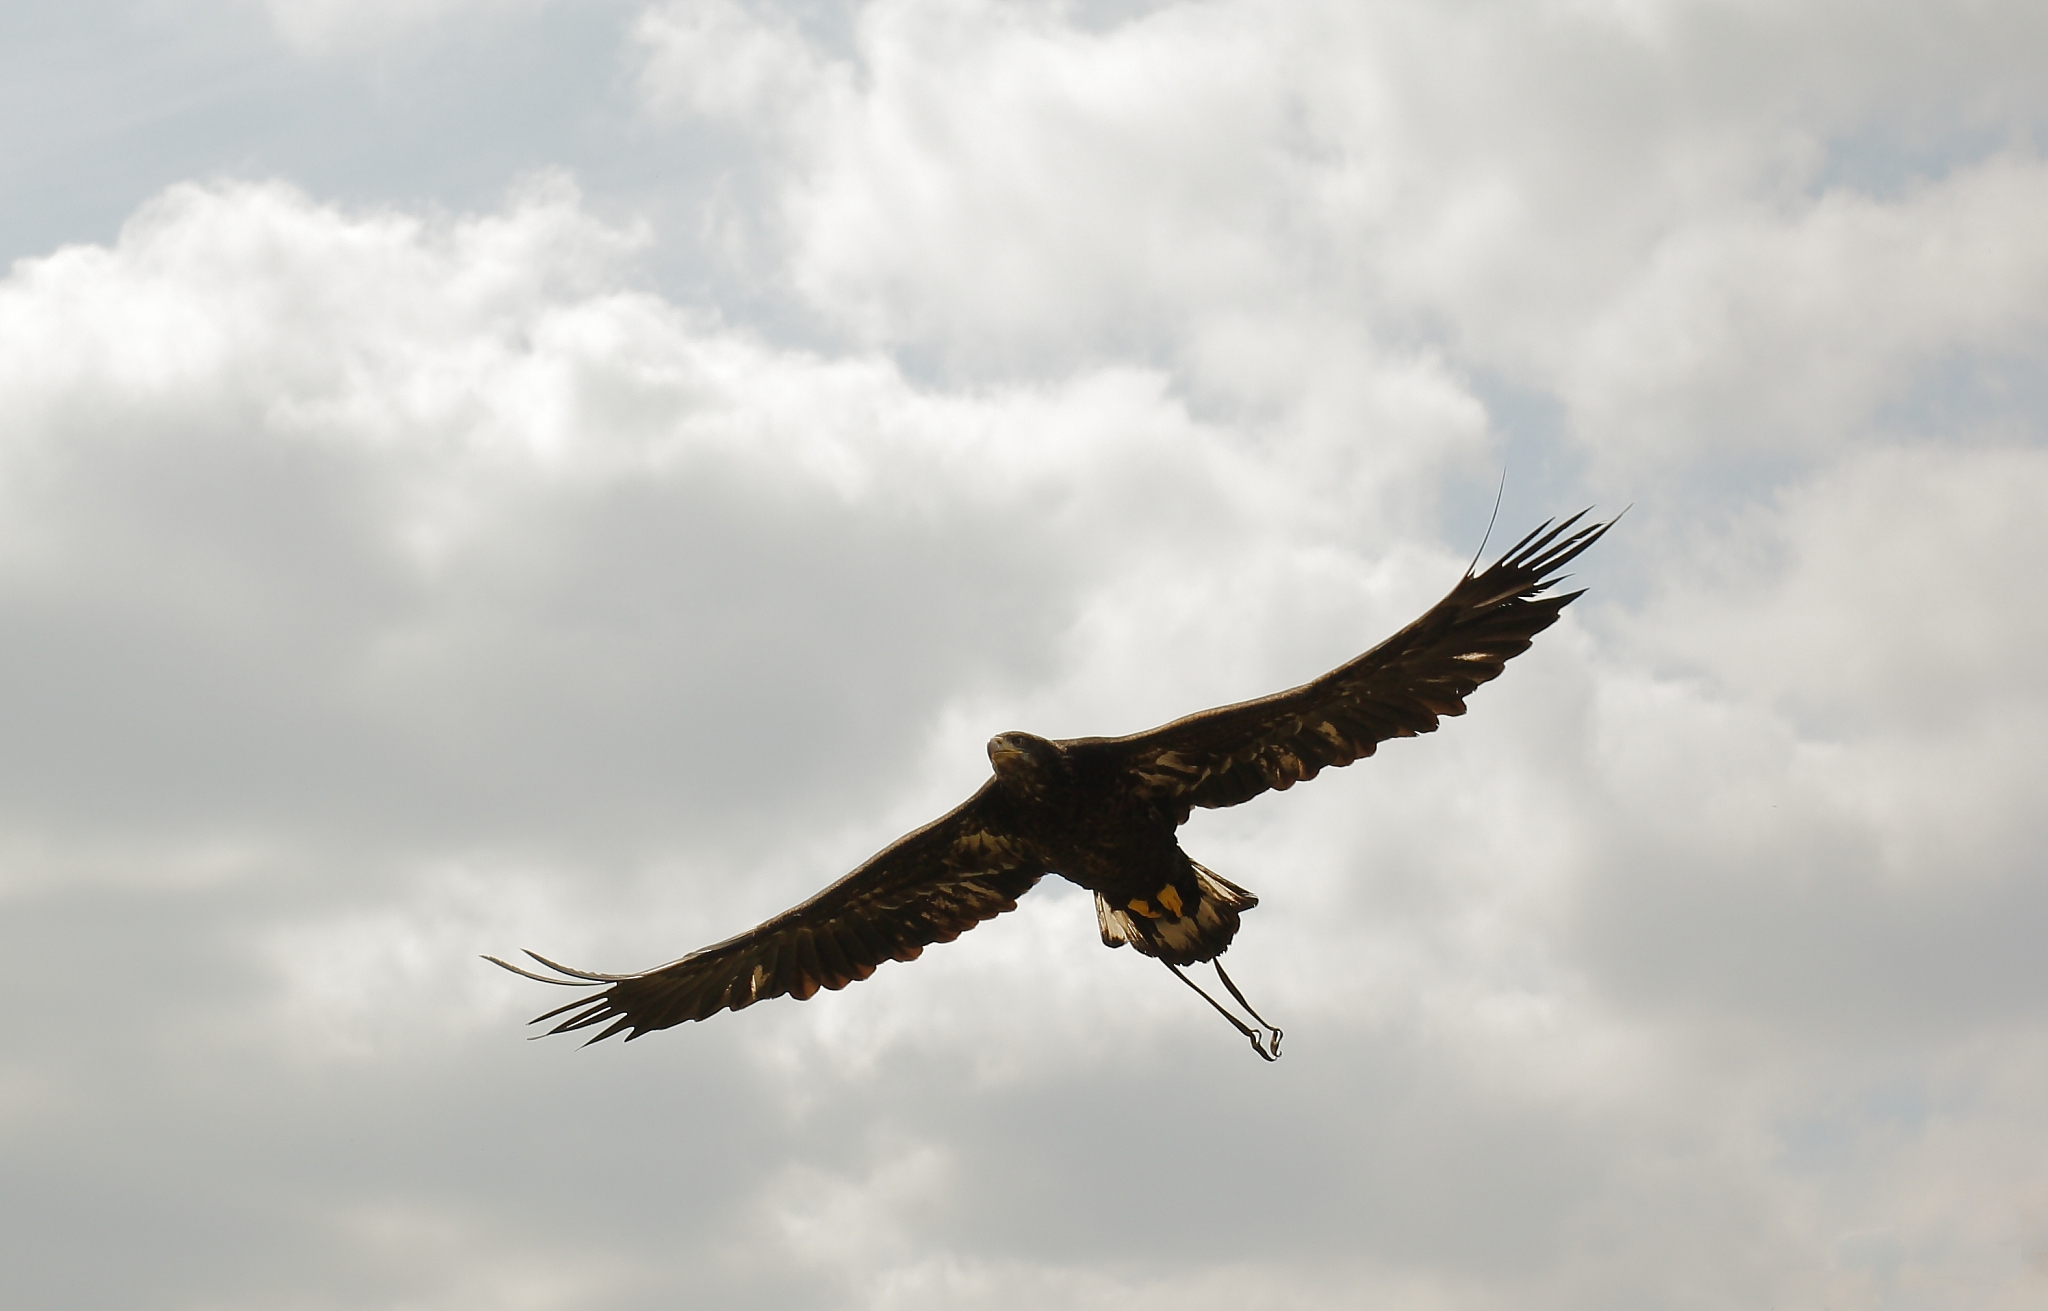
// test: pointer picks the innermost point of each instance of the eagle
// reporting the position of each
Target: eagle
(1102, 812)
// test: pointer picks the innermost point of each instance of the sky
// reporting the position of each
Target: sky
(488, 474)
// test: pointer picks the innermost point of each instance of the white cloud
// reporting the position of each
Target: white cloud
(717, 59)
(1664, 217)
(378, 588)
(1892, 593)
(466, 558)
(1778, 331)
(406, 412)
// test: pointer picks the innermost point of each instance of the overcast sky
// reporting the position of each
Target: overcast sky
(482, 474)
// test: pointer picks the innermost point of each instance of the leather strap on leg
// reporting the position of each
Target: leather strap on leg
(1241, 1026)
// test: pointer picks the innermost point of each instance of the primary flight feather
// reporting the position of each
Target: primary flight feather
(1102, 812)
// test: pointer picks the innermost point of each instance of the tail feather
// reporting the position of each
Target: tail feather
(1202, 932)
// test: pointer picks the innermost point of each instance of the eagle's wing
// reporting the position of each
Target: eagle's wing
(1398, 689)
(928, 886)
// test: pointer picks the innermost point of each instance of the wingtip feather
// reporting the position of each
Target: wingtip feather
(538, 978)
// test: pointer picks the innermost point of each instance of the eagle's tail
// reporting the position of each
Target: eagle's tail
(1199, 932)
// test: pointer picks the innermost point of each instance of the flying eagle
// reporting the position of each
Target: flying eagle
(1101, 812)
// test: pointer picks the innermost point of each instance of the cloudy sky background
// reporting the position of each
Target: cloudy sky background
(500, 473)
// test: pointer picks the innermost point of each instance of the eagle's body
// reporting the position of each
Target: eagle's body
(1103, 813)
(1075, 804)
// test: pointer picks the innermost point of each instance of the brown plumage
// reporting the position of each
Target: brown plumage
(1102, 812)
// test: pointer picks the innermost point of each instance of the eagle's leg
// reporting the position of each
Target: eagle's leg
(1274, 1029)
(1240, 1025)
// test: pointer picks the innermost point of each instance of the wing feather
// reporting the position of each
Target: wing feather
(1404, 686)
(928, 886)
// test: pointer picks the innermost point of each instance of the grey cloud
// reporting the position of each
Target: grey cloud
(387, 581)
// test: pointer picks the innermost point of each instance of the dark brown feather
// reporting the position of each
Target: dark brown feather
(929, 886)
(1400, 688)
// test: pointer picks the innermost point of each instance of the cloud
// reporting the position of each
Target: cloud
(1690, 249)
(382, 590)
(380, 586)
(717, 59)
(1774, 332)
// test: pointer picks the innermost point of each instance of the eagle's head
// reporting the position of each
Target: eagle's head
(1025, 761)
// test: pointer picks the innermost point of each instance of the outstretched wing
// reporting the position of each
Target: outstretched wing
(1398, 689)
(928, 886)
